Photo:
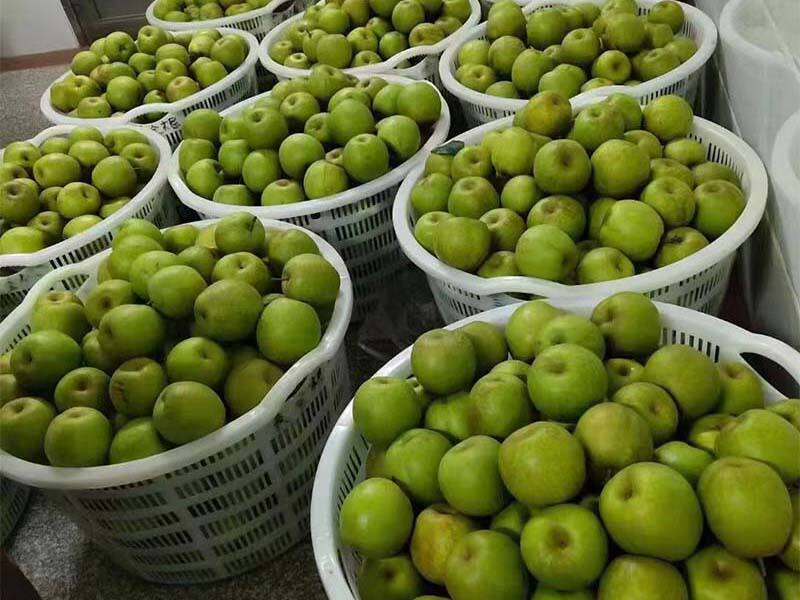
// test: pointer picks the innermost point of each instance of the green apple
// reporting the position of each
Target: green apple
(23, 425)
(283, 245)
(57, 169)
(683, 47)
(502, 54)
(192, 151)
(505, 19)
(789, 409)
(632, 227)
(462, 242)
(486, 564)
(656, 62)
(450, 415)
(511, 520)
(672, 199)
(434, 356)
(520, 193)
(88, 153)
(679, 243)
(685, 459)
(476, 77)
(114, 176)
(625, 32)
(563, 212)
(654, 405)
(366, 157)
(741, 388)
(384, 578)
(287, 330)
(228, 310)
(197, 359)
(426, 226)
(413, 461)
(688, 375)
(298, 108)
(630, 577)
(248, 383)
(709, 171)
(19, 202)
(472, 161)
(323, 178)
(545, 27)
(239, 232)
(179, 237)
(622, 372)
(86, 386)
(145, 267)
(668, 117)
(705, 430)
(499, 405)
(135, 385)
(569, 329)
(716, 573)
(430, 193)
(650, 509)
(22, 240)
(686, 151)
(762, 435)
(260, 168)
(376, 518)
(526, 71)
(667, 12)
(202, 124)
(69, 318)
(612, 65)
(609, 178)
(82, 423)
(524, 326)
(647, 142)
(135, 440)
(630, 323)
(613, 436)
(173, 290)
(747, 506)
(244, 266)
(311, 279)
(77, 198)
(469, 477)
(437, 530)
(604, 264)
(186, 411)
(547, 252)
(130, 331)
(505, 227)
(151, 38)
(514, 151)
(542, 464)
(597, 124)
(10, 389)
(264, 128)
(42, 358)
(472, 197)
(719, 204)
(565, 547)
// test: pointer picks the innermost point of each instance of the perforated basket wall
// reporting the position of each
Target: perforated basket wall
(155, 202)
(240, 83)
(343, 460)
(684, 80)
(13, 500)
(357, 222)
(222, 504)
(698, 281)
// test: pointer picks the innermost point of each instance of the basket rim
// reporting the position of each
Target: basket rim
(381, 67)
(324, 526)
(690, 266)
(308, 207)
(169, 108)
(730, 33)
(106, 476)
(231, 21)
(152, 187)
(683, 71)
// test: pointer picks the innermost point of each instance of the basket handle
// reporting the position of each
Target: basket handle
(775, 350)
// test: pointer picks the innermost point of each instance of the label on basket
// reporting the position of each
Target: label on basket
(450, 148)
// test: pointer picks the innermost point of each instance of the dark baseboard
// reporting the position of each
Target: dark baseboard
(33, 61)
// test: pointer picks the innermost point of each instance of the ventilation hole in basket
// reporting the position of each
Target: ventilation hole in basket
(774, 374)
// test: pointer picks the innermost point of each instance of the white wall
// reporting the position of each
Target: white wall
(34, 26)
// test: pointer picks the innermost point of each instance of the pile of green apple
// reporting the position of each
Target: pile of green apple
(180, 11)
(119, 73)
(67, 184)
(573, 49)
(356, 33)
(311, 137)
(623, 191)
(184, 331)
(591, 464)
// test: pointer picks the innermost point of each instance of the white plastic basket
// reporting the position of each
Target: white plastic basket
(342, 462)
(698, 281)
(222, 504)
(785, 210)
(357, 222)
(682, 81)
(13, 500)
(425, 68)
(256, 22)
(155, 202)
(237, 85)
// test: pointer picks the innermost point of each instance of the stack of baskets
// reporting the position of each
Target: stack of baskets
(683, 81)
(222, 504)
